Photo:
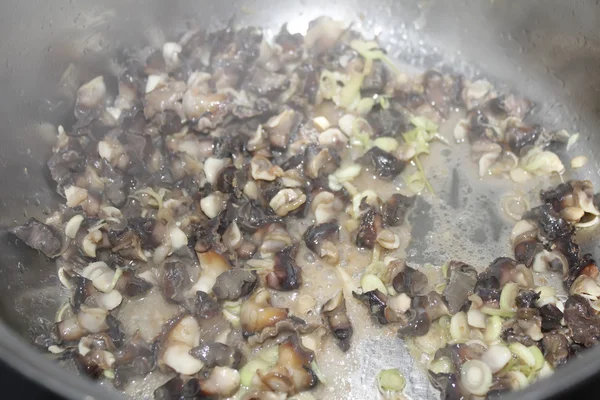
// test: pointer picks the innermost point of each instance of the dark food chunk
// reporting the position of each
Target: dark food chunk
(130, 285)
(555, 196)
(432, 303)
(550, 223)
(435, 91)
(387, 122)
(83, 288)
(316, 235)
(170, 123)
(502, 269)
(410, 281)
(394, 210)
(129, 245)
(447, 384)
(417, 324)
(178, 389)
(235, 283)
(385, 165)
(135, 359)
(527, 299)
(214, 354)
(207, 236)
(526, 250)
(286, 274)
(144, 227)
(556, 348)
(461, 283)
(511, 335)
(376, 302)
(250, 216)
(334, 313)
(521, 136)
(266, 83)
(488, 288)
(67, 161)
(290, 43)
(39, 236)
(370, 226)
(175, 281)
(582, 321)
(226, 180)
(205, 307)
(376, 81)
(551, 317)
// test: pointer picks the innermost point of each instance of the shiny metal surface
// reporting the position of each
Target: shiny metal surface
(548, 50)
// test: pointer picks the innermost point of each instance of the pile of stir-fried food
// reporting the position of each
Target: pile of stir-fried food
(214, 171)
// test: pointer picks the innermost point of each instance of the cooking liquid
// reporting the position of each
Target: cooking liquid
(463, 220)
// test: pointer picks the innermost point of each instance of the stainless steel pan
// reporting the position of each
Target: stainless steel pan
(548, 50)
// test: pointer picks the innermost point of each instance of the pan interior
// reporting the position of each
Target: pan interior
(463, 221)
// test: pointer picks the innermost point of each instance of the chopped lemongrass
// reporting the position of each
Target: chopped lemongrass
(586, 287)
(315, 368)
(372, 51)
(384, 101)
(540, 162)
(443, 365)
(517, 379)
(73, 226)
(572, 140)
(514, 205)
(509, 296)
(54, 349)
(64, 278)
(424, 123)
(109, 374)
(539, 357)
(523, 353)
(370, 282)
(459, 327)
(497, 312)
(345, 174)
(476, 318)
(444, 269)
(579, 162)
(346, 279)
(364, 105)
(156, 196)
(249, 370)
(61, 311)
(232, 318)
(545, 371)
(444, 321)
(476, 377)
(376, 268)
(496, 357)
(346, 124)
(350, 93)
(321, 123)
(547, 295)
(422, 171)
(433, 340)
(386, 144)
(269, 355)
(390, 380)
(231, 312)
